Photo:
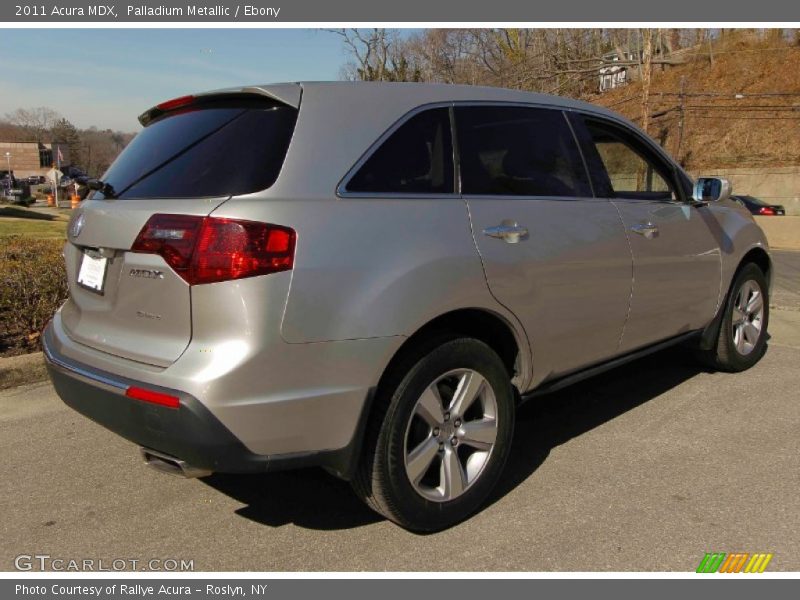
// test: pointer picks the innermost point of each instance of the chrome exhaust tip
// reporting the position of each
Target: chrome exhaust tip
(171, 465)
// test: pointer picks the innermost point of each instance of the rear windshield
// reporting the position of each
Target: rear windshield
(220, 149)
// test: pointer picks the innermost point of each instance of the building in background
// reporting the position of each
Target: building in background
(31, 158)
(611, 75)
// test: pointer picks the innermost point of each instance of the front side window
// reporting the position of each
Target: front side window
(417, 158)
(629, 171)
(518, 151)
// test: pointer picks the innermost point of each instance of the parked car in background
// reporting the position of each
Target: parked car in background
(757, 206)
(37, 179)
(76, 174)
(255, 285)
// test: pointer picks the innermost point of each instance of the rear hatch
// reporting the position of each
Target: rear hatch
(193, 154)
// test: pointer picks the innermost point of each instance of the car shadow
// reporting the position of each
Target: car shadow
(24, 213)
(309, 498)
(313, 499)
(546, 422)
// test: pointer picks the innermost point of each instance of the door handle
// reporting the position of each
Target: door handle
(508, 231)
(648, 230)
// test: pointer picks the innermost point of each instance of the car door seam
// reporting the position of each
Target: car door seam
(529, 376)
(633, 273)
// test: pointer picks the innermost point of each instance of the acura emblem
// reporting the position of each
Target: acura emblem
(77, 226)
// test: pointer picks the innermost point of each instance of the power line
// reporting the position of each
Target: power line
(750, 118)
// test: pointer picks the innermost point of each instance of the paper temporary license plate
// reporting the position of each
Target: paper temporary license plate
(92, 273)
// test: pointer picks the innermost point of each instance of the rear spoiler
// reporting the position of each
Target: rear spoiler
(285, 93)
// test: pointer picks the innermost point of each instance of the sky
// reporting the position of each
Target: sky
(108, 77)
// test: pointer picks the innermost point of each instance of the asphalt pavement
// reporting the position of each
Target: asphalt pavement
(647, 467)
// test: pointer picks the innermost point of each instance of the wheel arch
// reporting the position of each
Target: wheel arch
(482, 324)
(761, 258)
(756, 255)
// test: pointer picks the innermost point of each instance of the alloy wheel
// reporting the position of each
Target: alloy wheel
(748, 317)
(450, 435)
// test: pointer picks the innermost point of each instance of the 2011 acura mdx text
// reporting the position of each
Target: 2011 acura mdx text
(371, 277)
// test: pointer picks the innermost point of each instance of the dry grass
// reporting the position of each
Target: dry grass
(725, 131)
(32, 286)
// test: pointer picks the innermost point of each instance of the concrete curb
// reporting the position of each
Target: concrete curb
(22, 370)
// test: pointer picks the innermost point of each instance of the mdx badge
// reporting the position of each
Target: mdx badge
(146, 273)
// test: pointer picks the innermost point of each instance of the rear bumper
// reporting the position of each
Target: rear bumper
(190, 433)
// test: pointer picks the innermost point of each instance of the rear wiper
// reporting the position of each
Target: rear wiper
(101, 186)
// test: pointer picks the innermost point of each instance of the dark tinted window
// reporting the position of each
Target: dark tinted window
(518, 151)
(416, 159)
(213, 151)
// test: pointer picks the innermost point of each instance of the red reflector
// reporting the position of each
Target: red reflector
(175, 103)
(154, 397)
(211, 249)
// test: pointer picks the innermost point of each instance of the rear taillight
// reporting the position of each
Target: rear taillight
(211, 249)
(766, 210)
(171, 236)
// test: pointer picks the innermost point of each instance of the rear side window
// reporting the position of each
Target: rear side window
(518, 151)
(416, 159)
(215, 150)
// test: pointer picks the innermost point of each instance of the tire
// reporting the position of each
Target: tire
(742, 338)
(464, 449)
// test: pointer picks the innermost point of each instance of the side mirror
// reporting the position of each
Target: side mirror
(712, 189)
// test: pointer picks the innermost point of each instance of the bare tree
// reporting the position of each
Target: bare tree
(92, 149)
(34, 122)
(376, 55)
(101, 147)
(561, 61)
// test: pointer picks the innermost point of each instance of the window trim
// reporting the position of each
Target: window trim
(578, 131)
(341, 188)
(582, 154)
(456, 150)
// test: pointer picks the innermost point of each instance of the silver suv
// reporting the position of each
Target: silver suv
(372, 277)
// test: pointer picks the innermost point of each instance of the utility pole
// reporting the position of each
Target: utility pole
(647, 71)
(681, 119)
(644, 176)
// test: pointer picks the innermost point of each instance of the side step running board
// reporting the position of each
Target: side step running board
(567, 380)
